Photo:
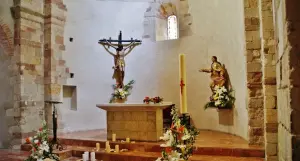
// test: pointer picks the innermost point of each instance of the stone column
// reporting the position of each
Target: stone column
(287, 22)
(28, 71)
(254, 72)
(56, 72)
(269, 79)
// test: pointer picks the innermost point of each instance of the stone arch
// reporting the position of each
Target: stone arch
(6, 41)
(159, 11)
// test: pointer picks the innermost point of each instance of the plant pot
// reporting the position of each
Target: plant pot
(120, 100)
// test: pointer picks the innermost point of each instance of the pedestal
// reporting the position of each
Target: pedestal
(139, 122)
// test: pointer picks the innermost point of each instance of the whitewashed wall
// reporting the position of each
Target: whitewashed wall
(218, 30)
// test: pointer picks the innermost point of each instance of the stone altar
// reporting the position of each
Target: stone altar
(139, 122)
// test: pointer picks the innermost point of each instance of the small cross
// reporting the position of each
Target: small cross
(181, 85)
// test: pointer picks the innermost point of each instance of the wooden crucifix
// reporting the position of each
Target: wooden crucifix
(122, 50)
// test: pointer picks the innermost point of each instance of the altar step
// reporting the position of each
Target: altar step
(155, 147)
(150, 156)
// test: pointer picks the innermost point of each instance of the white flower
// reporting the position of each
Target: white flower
(36, 141)
(181, 146)
(223, 89)
(158, 159)
(44, 147)
(120, 90)
(186, 137)
(30, 139)
(217, 103)
(35, 137)
(166, 136)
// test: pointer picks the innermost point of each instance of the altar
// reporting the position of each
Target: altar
(139, 122)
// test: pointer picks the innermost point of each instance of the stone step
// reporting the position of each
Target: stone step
(152, 156)
(155, 147)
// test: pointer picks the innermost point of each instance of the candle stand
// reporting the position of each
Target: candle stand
(55, 140)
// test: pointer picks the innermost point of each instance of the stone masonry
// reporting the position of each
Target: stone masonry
(268, 58)
(37, 68)
(254, 73)
(152, 14)
(287, 27)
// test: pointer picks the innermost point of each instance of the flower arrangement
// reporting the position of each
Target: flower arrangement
(121, 93)
(41, 149)
(147, 100)
(179, 140)
(222, 98)
(155, 100)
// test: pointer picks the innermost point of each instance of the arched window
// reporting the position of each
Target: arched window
(172, 27)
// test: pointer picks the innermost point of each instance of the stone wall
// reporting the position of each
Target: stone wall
(254, 72)
(287, 24)
(6, 88)
(269, 78)
(31, 70)
(155, 24)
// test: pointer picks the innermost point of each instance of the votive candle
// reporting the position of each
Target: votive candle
(97, 146)
(93, 157)
(84, 157)
(117, 149)
(114, 137)
(87, 155)
(108, 148)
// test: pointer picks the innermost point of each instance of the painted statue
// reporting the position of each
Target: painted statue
(217, 73)
(122, 50)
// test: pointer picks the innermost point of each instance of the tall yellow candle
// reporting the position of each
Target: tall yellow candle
(182, 79)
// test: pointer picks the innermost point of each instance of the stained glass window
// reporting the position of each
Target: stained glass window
(172, 27)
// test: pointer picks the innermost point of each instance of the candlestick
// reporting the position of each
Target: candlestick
(117, 149)
(182, 77)
(128, 140)
(86, 155)
(114, 137)
(93, 157)
(97, 146)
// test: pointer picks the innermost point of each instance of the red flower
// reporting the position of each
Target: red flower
(181, 129)
(41, 129)
(27, 140)
(168, 150)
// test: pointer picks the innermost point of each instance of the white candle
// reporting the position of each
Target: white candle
(84, 157)
(117, 149)
(93, 157)
(87, 155)
(108, 149)
(128, 140)
(97, 146)
(106, 144)
(182, 79)
(114, 137)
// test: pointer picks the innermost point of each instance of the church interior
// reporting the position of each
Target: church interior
(155, 80)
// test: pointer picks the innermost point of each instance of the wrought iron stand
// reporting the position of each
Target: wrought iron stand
(55, 140)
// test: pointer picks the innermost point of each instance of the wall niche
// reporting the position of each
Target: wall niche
(70, 97)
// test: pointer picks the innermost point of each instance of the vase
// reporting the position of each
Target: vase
(120, 100)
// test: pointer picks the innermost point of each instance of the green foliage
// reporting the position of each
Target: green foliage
(41, 148)
(121, 93)
(221, 99)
